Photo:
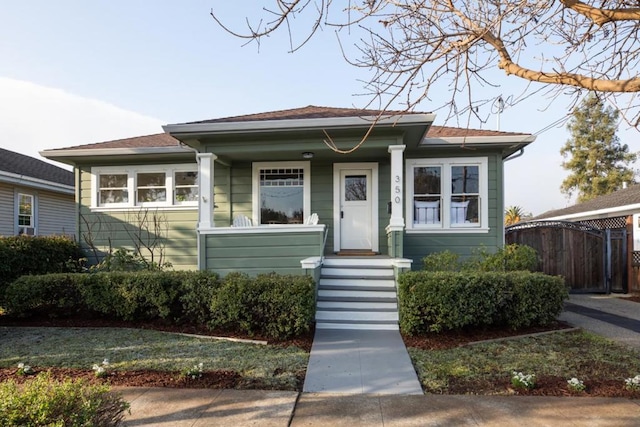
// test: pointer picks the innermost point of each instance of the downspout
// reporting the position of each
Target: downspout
(514, 156)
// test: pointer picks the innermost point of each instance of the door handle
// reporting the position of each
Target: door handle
(341, 214)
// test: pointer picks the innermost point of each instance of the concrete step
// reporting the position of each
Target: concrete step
(357, 305)
(356, 272)
(351, 316)
(355, 284)
(352, 261)
(362, 326)
(355, 295)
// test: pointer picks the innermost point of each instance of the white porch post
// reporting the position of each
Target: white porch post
(396, 223)
(205, 188)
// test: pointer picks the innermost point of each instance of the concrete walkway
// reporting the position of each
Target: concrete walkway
(360, 361)
(367, 402)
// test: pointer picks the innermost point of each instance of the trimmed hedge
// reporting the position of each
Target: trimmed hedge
(272, 305)
(43, 401)
(20, 255)
(513, 257)
(437, 301)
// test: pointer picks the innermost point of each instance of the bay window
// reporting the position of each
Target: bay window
(447, 194)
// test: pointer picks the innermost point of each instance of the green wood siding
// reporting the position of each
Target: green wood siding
(255, 253)
(116, 229)
(417, 246)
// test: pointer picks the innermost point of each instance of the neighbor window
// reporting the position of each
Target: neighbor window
(281, 193)
(446, 193)
(26, 222)
(156, 186)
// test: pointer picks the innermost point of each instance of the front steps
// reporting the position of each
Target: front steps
(357, 293)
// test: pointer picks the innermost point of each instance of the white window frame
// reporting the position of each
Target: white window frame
(132, 188)
(445, 225)
(32, 225)
(306, 186)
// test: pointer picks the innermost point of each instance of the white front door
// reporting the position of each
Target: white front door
(355, 197)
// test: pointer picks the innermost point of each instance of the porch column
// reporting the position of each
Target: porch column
(205, 188)
(396, 223)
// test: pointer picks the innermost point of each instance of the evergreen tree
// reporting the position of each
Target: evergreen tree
(597, 161)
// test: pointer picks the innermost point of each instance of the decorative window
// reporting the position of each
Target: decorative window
(447, 193)
(281, 193)
(26, 221)
(158, 186)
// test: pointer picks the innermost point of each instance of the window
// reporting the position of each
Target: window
(171, 185)
(447, 193)
(26, 222)
(186, 187)
(281, 193)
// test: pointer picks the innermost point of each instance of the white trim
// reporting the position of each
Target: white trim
(264, 229)
(131, 171)
(483, 140)
(461, 230)
(306, 186)
(137, 208)
(403, 263)
(598, 213)
(41, 184)
(293, 124)
(337, 169)
(88, 152)
(397, 186)
(206, 185)
(311, 262)
(445, 164)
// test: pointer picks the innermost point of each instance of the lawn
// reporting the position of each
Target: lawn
(128, 349)
(487, 368)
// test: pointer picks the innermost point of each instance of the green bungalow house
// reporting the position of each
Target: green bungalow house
(275, 192)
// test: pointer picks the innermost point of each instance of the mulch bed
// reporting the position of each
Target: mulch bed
(546, 386)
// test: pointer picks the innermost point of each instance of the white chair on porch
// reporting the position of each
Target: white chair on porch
(242, 221)
(312, 220)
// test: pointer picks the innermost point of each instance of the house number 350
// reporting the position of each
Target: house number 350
(397, 189)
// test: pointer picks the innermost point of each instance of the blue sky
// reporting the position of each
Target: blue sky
(76, 72)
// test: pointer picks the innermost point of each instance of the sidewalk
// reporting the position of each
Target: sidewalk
(239, 408)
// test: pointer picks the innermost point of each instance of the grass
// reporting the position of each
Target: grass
(574, 354)
(133, 349)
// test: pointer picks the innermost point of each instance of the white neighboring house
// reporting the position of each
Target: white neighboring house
(36, 198)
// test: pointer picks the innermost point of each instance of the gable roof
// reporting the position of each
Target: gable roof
(619, 203)
(20, 165)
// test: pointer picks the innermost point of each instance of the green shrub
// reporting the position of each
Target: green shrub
(198, 290)
(22, 255)
(270, 305)
(442, 261)
(45, 402)
(55, 294)
(436, 301)
(512, 257)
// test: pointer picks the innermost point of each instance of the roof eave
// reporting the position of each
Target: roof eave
(623, 210)
(67, 155)
(296, 124)
(41, 184)
(523, 139)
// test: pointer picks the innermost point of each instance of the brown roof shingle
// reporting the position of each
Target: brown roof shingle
(308, 112)
(155, 140)
(451, 132)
